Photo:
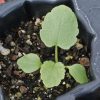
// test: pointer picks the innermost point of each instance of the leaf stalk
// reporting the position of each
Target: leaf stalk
(56, 54)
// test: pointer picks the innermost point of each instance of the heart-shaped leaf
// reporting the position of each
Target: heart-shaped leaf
(52, 73)
(60, 28)
(29, 63)
(78, 72)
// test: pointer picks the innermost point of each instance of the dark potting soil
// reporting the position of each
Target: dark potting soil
(25, 39)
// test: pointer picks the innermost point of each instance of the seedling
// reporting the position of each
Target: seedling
(59, 29)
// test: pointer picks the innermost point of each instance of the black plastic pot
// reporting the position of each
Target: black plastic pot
(13, 12)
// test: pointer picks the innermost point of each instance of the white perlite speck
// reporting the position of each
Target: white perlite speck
(28, 42)
(19, 54)
(12, 43)
(4, 51)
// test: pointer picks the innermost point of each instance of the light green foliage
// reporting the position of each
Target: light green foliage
(78, 72)
(29, 63)
(52, 73)
(60, 28)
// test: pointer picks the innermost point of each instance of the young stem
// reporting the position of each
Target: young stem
(56, 54)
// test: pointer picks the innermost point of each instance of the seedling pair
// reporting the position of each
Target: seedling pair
(59, 29)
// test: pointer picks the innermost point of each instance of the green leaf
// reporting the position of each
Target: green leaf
(78, 72)
(60, 27)
(52, 73)
(29, 63)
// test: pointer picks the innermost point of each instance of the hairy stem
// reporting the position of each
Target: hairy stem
(56, 54)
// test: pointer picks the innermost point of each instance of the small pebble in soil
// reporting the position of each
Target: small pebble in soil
(19, 54)
(68, 85)
(17, 87)
(23, 31)
(4, 76)
(84, 61)
(20, 82)
(3, 65)
(38, 21)
(23, 89)
(4, 51)
(16, 73)
(39, 98)
(12, 98)
(12, 50)
(18, 95)
(69, 57)
(13, 57)
(79, 46)
(14, 81)
(29, 42)
(12, 43)
(13, 86)
(28, 36)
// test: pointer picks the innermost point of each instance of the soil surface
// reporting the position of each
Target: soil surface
(25, 39)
